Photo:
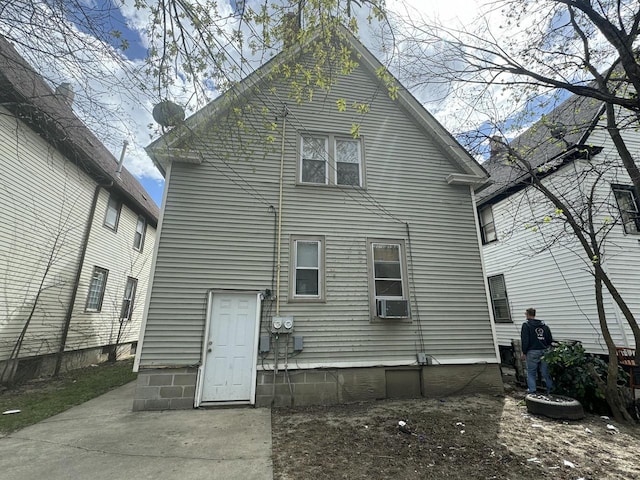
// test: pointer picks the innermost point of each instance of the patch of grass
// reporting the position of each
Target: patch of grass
(44, 398)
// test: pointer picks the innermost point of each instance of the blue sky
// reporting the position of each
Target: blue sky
(127, 20)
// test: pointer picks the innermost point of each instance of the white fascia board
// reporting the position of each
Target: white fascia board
(474, 181)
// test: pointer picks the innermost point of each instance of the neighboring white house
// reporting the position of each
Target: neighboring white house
(530, 260)
(76, 237)
(298, 263)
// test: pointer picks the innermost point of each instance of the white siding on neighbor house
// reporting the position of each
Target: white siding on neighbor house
(217, 235)
(45, 202)
(623, 250)
(113, 251)
(557, 281)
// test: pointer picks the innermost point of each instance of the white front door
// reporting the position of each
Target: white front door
(230, 349)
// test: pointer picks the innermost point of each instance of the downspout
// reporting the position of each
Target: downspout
(76, 282)
(279, 268)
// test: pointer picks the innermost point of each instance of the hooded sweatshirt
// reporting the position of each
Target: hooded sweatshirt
(535, 335)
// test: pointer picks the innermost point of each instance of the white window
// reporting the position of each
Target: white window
(348, 162)
(387, 270)
(314, 156)
(113, 213)
(128, 298)
(487, 225)
(499, 300)
(629, 207)
(331, 159)
(96, 289)
(138, 238)
(307, 262)
(389, 290)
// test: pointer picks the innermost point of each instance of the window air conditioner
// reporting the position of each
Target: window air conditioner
(386, 308)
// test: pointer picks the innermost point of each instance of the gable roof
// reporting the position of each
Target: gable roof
(473, 174)
(25, 93)
(578, 115)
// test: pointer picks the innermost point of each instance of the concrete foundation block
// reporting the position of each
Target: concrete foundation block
(146, 393)
(403, 383)
(181, 403)
(157, 404)
(184, 379)
(358, 384)
(160, 380)
(448, 380)
(171, 392)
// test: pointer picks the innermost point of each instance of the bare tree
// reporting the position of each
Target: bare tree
(524, 49)
(575, 209)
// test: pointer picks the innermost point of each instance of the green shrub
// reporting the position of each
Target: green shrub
(569, 369)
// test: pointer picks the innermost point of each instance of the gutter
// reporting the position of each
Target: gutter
(76, 282)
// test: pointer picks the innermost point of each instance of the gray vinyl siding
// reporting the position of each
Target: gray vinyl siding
(556, 281)
(216, 235)
(45, 205)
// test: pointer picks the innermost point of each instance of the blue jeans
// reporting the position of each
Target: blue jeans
(533, 360)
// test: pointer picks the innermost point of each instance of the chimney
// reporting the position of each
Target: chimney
(290, 29)
(64, 91)
(497, 145)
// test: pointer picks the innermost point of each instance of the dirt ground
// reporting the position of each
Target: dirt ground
(467, 437)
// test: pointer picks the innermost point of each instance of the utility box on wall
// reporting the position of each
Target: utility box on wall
(281, 324)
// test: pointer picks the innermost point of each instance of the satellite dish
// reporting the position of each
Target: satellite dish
(558, 131)
(168, 114)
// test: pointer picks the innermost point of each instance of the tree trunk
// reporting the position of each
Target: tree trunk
(613, 395)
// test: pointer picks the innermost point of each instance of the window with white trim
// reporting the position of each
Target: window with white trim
(307, 265)
(487, 225)
(348, 162)
(314, 154)
(96, 289)
(331, 160)
(128, 298)
(499, 299)
(389, 278)
(629, 207)
(113, 213)
(138, 237)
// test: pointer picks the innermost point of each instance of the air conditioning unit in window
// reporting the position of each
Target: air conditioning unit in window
(386, 308)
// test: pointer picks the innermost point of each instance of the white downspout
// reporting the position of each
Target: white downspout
(284, 126)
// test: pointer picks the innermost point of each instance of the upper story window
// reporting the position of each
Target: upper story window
(629, 207)
(314, 154)
(348, 162)
(307, 268)
(138, 238)
(331, 160)
(499, 300)
(96, 289)
(128, 298)
(113, 213)
(487, 225)
(388, 286)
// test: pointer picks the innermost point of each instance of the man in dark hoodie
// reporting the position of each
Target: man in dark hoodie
(536, 338)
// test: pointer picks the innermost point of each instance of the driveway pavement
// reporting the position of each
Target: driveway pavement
(103, 438)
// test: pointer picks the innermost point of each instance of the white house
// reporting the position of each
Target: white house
(76, 236)
(531, 260)
(299, 263)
